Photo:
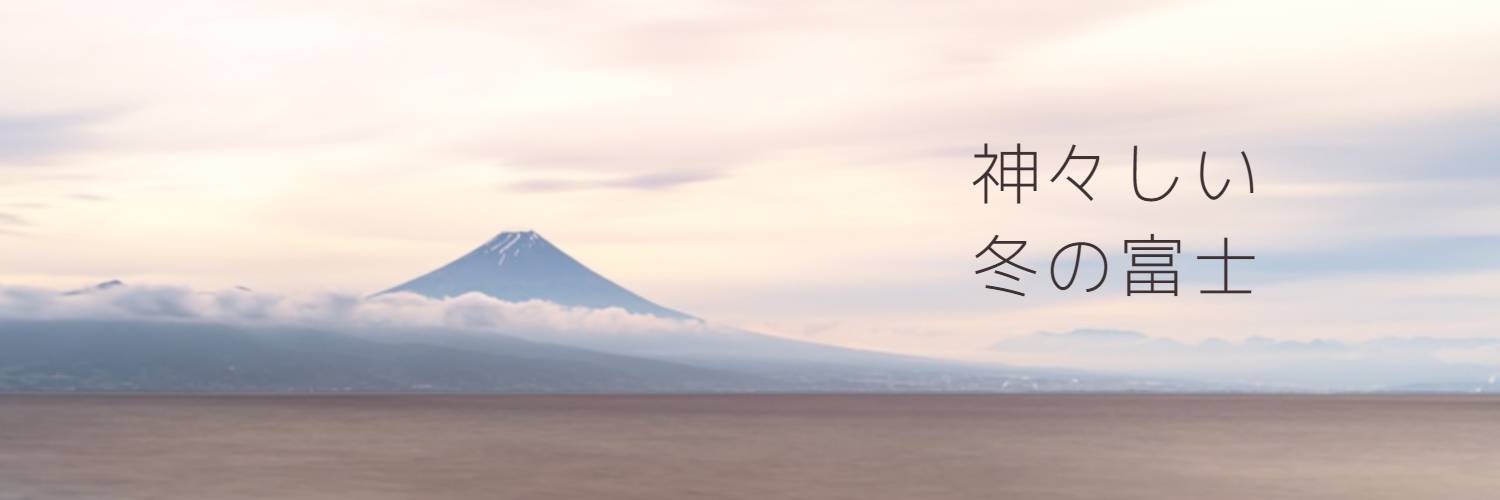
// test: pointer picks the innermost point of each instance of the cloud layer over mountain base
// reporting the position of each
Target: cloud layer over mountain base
(333, 311)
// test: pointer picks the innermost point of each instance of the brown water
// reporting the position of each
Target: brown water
(667, 447)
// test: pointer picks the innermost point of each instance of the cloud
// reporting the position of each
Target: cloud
(1391, 255)
(26, 139)
(1483, 355)
(10, 222)
(335, 311)
(648, 182)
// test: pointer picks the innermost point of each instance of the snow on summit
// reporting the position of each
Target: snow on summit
(509, 244)
(517, 266)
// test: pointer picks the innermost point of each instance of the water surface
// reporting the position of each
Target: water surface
(744, 447)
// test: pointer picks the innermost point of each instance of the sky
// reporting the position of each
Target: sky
(801, 170)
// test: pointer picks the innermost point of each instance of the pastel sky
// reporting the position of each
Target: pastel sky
(797, 169)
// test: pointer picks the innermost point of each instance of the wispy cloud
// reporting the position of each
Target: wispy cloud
(29, 139)
(8, 219)
(335, 311)
(647, 182)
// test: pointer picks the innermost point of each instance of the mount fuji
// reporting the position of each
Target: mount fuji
(517, 266)
(522, 265)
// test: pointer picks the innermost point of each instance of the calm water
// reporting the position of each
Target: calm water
(772, 447)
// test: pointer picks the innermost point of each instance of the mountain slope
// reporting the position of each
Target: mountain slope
(160, 356)
(520, 266)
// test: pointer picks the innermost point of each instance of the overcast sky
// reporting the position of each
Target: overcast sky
(797, 169)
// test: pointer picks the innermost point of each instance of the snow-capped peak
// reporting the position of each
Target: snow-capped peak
(509, 244)
(522, 265)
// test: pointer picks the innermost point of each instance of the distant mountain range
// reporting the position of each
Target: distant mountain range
(169, 349)
(174, 355)
(150, 356)
(1410, 364)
